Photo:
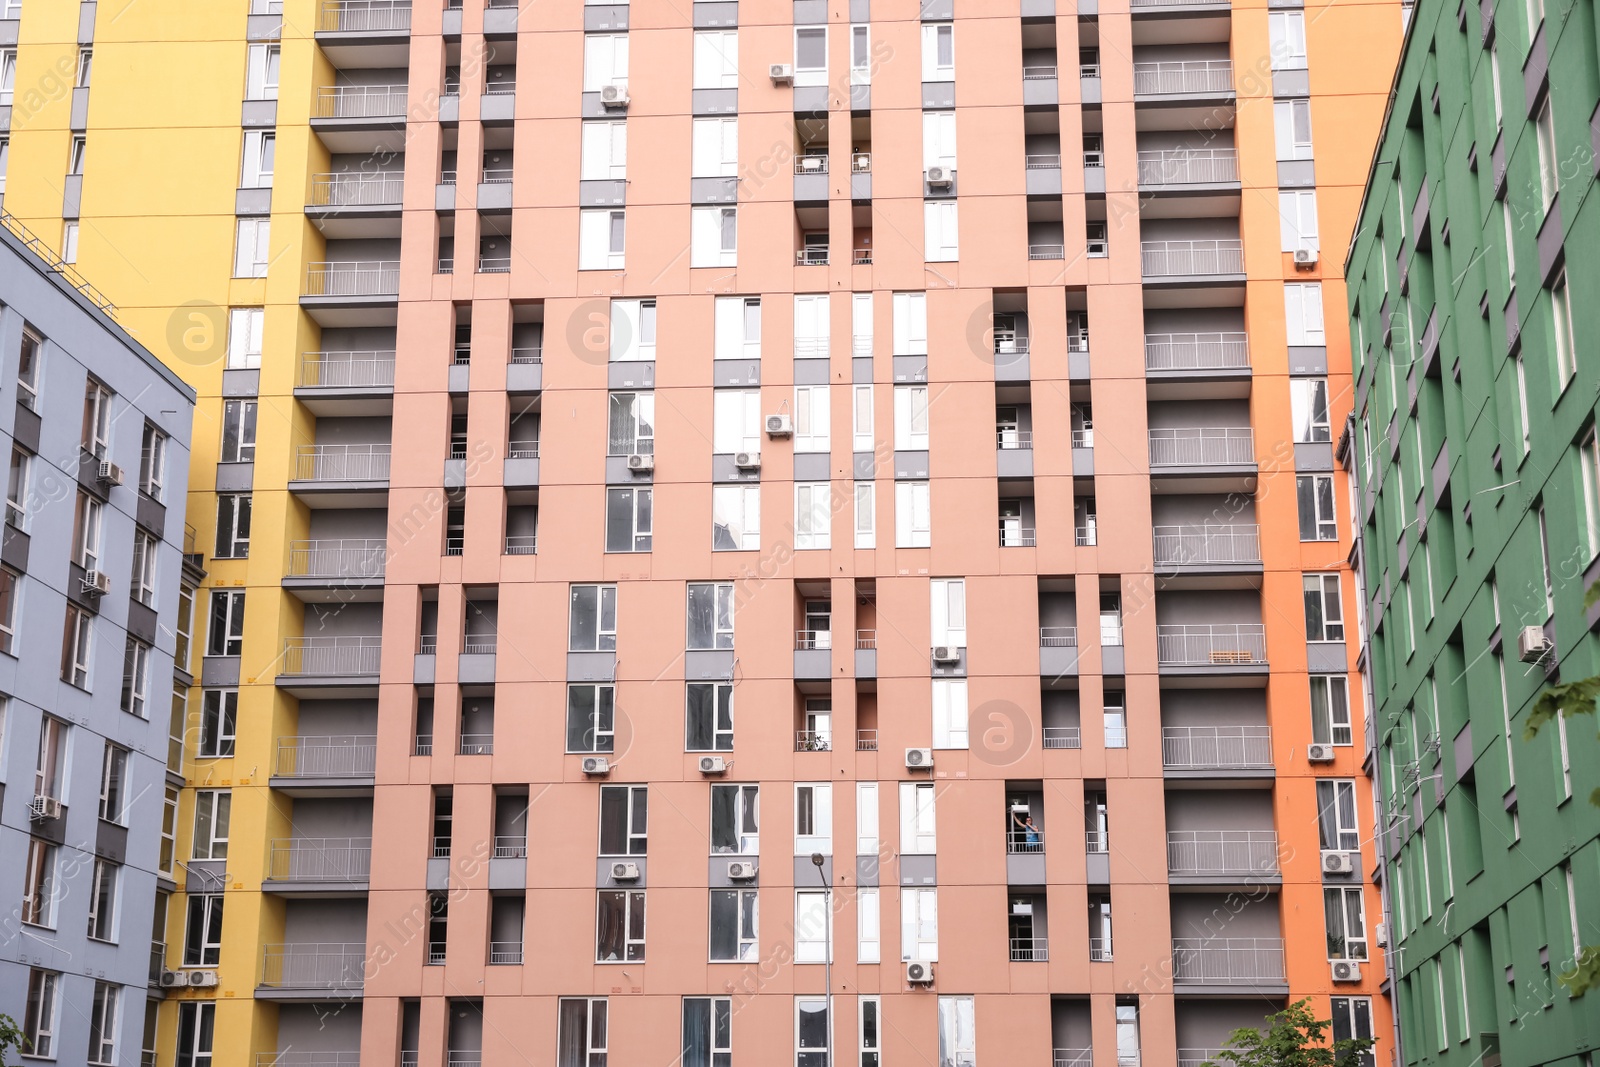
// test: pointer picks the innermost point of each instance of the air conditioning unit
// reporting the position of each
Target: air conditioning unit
(946, 654)
(624, 872)
(637, 462)
(1380, 934)
(1338, 862)
(747, 461)
(613, 96)
(781, 73)
(779, 426)
(1532, 644)
(1319, 753)
(919, 972)
(1305, 257)
(596, 765)
(741, 870)
(202, 979)
(110, 473)
(1346, 971)
(713, 765)
(45, 808)
(96, 583)
(939, 177)
(919, 758)
(173, 979)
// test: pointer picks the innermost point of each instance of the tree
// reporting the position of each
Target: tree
(1294, 1037)
(1567, 700)
(10, 1037)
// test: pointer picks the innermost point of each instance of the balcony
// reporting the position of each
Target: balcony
(352, 280)
(1047, 251)
(1041, 85)
(364, 16)
(1062, 737)
(343, 474)
(511, 847)
(1207, 78)
(341, 564)
(811, 257)
(1193, 261)
(292, 1058)
(327, 764)
(813, 741)
(1100, 950)
(1175, 362)
(476, 745)
(354, 192)
(1021, 841)
(360, 102)
(522, 544)
(346, 383)
(1013, 535)
(1096, 842)
(505, 952)
(1072, 1057)
(1212, 548)
(330, 666)
(316, 971)
(1228, 961)
(1209, 749)
(1207, 855)
(1222, 646)
(866, 740)
(1042, 174)
(1058, 652)
(319, 865)
(811, 178)
(1188, 166)
(1030, 950)
(1203, 459)
(1198, 1057)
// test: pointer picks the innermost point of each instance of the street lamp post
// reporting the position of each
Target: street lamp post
(817, 861)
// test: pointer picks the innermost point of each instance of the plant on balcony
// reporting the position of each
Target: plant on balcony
(1294, 1037)
(1569, 699)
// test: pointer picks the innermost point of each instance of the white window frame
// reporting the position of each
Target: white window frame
(593, 1051)
(812, 418)
(735, 421)
(913, 515)
(1335, 690)
(939, 139)
(713, 236)
(1332, 623)
(721, 695)
(103, 1024)
(811, 325)
(146, 551)
(245, 327)
(259, 159)
(639, 409)
(1287, 31)
(635, 809)
(746, 808)
(80, 638)
(911, 418)
(1303, 313)
(746, 948)
(941, 231)
(950, 711)
(736, 516)
(948, 611)
(632, 331)
(69, 241)
(1326, 524)
(865, 514)
(1549, 162)
(605, 61)
(1308, 407)
(869, 925)
(716, 59)
(1354, 942)
(821, 802)
(919, 924)
(136, 678)
(918, 826)
(716, 1055)
(641, 533)
(937, 37)
(714, 147)
(1297, 219)
(263, 70)
(603, 739)
(219, 718)
(860, 54)
(39, 885)
(1564, 344)
(103, 879)
(602, 239)
(201, 1022)
(862, 438)
(604, 153)
(228, 535)
(723, 607)
(910, 324)
(810, 76)
(39, 1028)
(738, 327)
(153, 463)
(1287, 115)
(861, 329)
(867, 818)
(631, 938)
(813, 939)
(213, 807)
(1346, 836)
(958, 1041)
(244, 448)
(813, 515)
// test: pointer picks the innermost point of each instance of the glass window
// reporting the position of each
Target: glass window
(958, 1041)
(628, 520)
(113, 783)
(735, 518)
(1336, 816)
(592, 619)
(735, 819)
(811, 1032)
(619, 926)
(225, 635)
(707, 1032)
(1314, 502)
(1308, 398)
(623, 816)
(710, 615)
(708, 717)
(212, 808)
(813, 819)
(1330, 710)
(1346, 922)
(581, 1036)
(202, 942)
(219, 714)
(1324, 615)
(591, 718)
(734, 919)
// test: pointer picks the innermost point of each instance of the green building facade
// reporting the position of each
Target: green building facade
(1474, 280)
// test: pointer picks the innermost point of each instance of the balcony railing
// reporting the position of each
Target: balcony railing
(480, 644)
(326, 966)
(1029, 950)
(866, 740)
(502, 952)
(1229, 350)
(331, 657)
(1042, 161)
(1007, 343)
(1012, 536)
(476, 745)
(327, 756)
(320, 859)
(1222, 852)
(464, 1059)
(1096, 841)
(1182, 76)
(1039, 73)
(422, 745)
(1216, 747)
(866, 640)
(494, 264)
(1073, 1057)
(1202, 446)
(360, 102)
(523, 450)
(815, 347)
(375, 277)
(1087, 535)
(1047, 252)
(812, 640)
(1058, 636)
(521, 544)
(1099, 949)
(1062, 737)
(354, 189)
(291, 1058)
(1083, 437)
(497, 175)
(811, 164)
(861, 257)
(1198, 1057)
(1188, 166)
(1164, 259)
(339, 557)
(1227, 959)
(1223, 644)
(1223, 543)
(861, 162)
(364, 16)
(811, 257)
(347, 370)
(436, 953)
(813, 740)
(1021, 841)
(511, 846)
(1013, 439)
(342, 463)
(527, 355)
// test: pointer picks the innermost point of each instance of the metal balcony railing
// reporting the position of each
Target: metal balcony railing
(1087, 536)
(511, 847)
(861, 162)
(1182, 76)
(441, 846)
(376, 277)
(494, 264)
(436, 953)
(813, 740)
(1058, 636)
(522, 450)
(1017, 536)
(812, 640)
(861, 257)
(1228, 350)
(866, 740)
(1039, 73)
(1222, 852)
(811, 164)
(1202, 446)
(476, 745)
(1223, 644)
(464, 1059)
(866, 640)
(502, 952)
(1216, 747)
(480, 644)
(346, 370)
(409, 1057)
(324, 966)
(1017, 841)
(338, 557)
(331, 657)
(1047, 252)
(1077, 340)
(360, 102)
(319, 859)
(1029, 950)
(1198, 1057)
(455, 544)
(1096, 841)
(1227, 959)
(1013, 439)
(342, 463)
(503, 87)
(527, 355)
(1188, 166)
(363, 16)
(354, 189)
(1088, 70)
(428, 644)
(423, 745)
(1007, 343)
(327, 756)
(817, 346)
(1165, 259)
(293, 1058)
(1073, 1057)
(1223, 543)
(1062, 737)
(1093, 158)
(811, 257)
(521, 544)
(1099, 949)
(497, 175)
(1042, 161)
(1083, 438)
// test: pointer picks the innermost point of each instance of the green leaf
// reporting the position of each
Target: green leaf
(1572, 698)
(1293, 1037)
(1586, 974)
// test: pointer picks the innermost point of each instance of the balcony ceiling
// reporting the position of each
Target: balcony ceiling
(1169, 26)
